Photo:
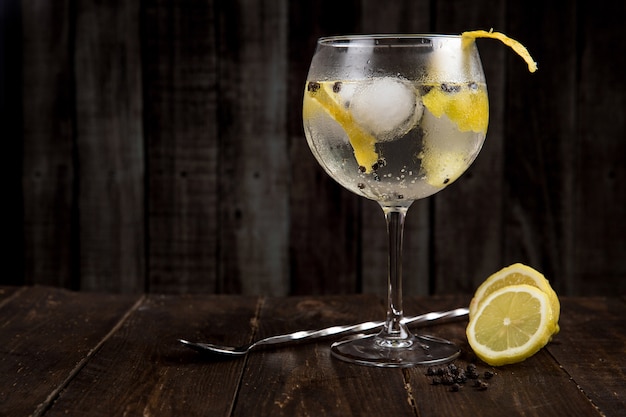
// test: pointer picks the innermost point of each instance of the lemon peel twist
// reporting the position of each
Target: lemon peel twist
(470, 36)
(363, 143)
(467, 108)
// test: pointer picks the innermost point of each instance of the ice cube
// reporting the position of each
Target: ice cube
(345, 92)
(387, 107)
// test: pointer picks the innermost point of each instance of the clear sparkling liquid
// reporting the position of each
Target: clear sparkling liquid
(419, 157)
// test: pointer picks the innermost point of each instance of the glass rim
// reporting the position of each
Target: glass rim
(356, 39)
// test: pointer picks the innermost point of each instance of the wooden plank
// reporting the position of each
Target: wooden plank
(396, 17)
(143, 370)
(181, 127)
(538, 386)
(49, 172)
(599, 253)
(47, 336)
(524, 389)
(590, 348)
(70, 353)
(110, 149)
(7, 292)
(467, 216)
(11, 120)
(540, 145)
(324, 234)
(305, 379)
(254, 169)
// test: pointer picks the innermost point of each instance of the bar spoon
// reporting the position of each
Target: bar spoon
(316, 334)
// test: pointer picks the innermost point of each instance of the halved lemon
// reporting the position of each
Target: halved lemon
(511, 324)
(516, 274)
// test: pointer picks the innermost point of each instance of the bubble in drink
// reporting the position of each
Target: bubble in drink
(387, 107)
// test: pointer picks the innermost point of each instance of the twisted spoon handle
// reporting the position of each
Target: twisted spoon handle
(355, 328)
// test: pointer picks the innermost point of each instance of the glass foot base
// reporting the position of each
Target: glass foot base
(373, 350)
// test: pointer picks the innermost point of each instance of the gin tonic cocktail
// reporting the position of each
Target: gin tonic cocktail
(395, 118)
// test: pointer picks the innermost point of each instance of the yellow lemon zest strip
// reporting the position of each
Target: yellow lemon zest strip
(468, 109)
(362, 142)
(520, 49)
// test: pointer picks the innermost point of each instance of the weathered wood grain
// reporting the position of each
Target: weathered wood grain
(7, 292)
(253, 163)
(181, 123)
(539, 150)
(594, 361)
(109, 155)
(11, 116)
(599, 185)
(47, 336)
(142, 369)
(306, 380)
(533, 394)
(158, 146)
(88, 354)
(49, 175)
(526, 387)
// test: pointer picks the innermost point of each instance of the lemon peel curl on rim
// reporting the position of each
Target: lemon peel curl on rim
(520, 49)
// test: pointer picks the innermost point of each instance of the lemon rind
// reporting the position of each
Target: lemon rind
(528, 349)
(520, 268)
(469, 37)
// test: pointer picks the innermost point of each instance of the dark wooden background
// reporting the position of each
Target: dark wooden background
(157, 145)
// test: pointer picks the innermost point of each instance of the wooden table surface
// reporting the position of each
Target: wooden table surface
(85, 354)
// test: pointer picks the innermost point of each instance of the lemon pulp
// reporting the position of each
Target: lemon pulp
(512, 324)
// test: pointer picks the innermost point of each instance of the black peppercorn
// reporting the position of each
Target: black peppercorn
(313, 86)
(461, 377)
(454, 377)
(425, 89)
(451, 88)
(482, 386)
(447, 379)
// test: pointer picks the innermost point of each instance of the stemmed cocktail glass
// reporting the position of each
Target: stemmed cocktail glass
(395, 118)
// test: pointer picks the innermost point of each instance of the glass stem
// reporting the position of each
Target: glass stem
(394, 331)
